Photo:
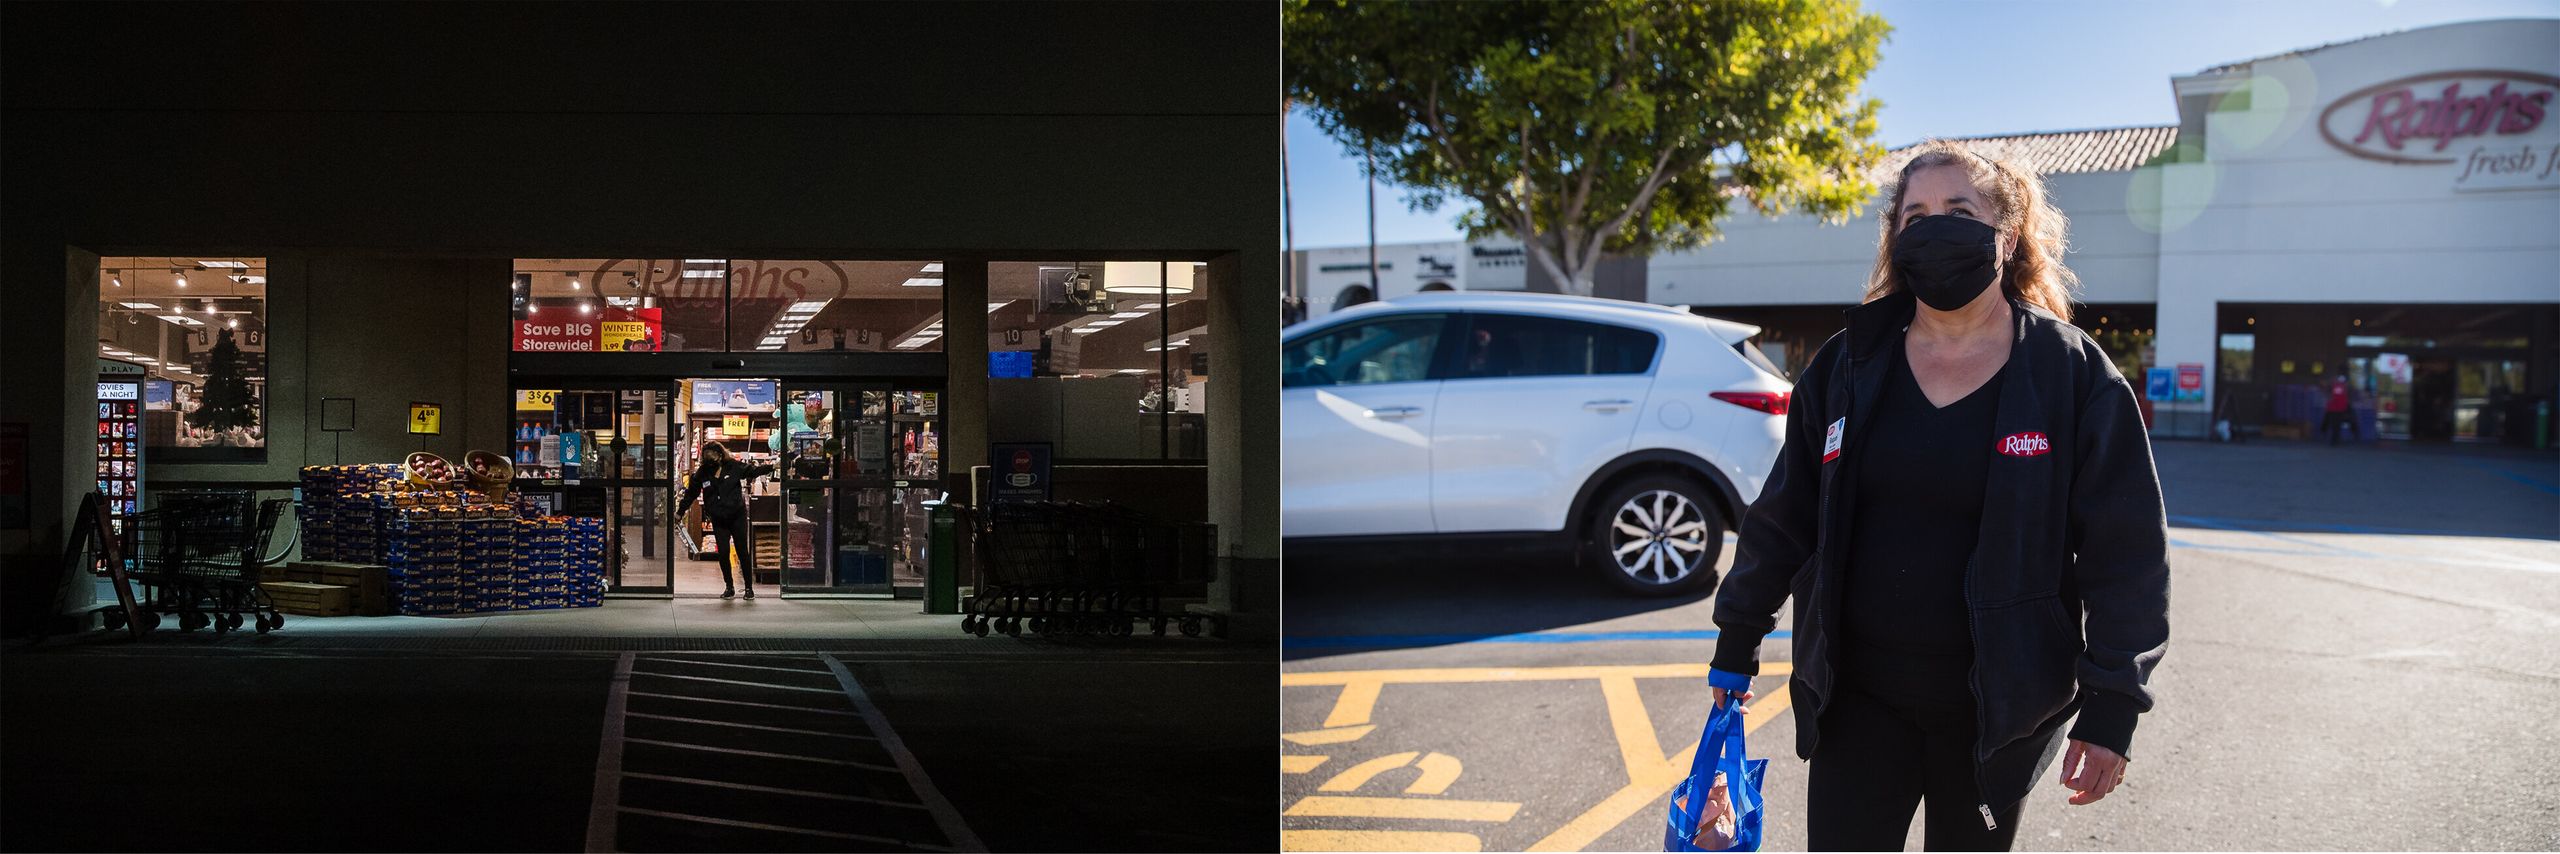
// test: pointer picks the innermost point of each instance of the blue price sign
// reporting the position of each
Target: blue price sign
(2159, 383)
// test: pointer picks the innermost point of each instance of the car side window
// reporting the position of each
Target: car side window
(1506, 345)
(1388, 350)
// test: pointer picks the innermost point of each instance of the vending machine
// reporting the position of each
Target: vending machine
(120, 447)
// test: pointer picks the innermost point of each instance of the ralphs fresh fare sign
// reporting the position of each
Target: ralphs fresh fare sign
(2494, 127)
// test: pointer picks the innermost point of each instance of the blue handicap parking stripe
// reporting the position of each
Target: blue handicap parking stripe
(2544, 485)
(1340, 641)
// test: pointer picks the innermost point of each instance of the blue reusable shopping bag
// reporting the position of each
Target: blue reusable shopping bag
(1719, 750)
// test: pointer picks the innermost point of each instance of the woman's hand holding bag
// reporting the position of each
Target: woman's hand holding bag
(1718, 807)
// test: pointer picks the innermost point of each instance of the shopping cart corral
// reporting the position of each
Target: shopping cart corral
(1088, 568)
(197, 556)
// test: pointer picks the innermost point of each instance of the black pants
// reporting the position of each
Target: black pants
(1896, 741)
(725, 532)
(2329, 422)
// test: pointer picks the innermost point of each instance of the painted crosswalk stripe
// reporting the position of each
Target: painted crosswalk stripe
(735, 724)
(731, 822)
(732, 682)
(751, 787)
(762, 753)
(792, 707)
(742, 666)
(953, 828)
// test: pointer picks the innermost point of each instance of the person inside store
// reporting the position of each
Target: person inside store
(720, 483)
(2340, 411)
(1966, 512)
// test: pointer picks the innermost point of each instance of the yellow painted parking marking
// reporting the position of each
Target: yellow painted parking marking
(1359, 697)
(1377, 840)
(1438, 771)
(1647, 789)
(1359, 775)
(1506, 674)
(1300, 764)
(1632, 725)
(1314, 737)
(1340, 806)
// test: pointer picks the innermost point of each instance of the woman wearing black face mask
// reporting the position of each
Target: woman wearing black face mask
(1966, 513)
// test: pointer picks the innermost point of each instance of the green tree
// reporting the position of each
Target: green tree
(1606, 126)
(227, 401)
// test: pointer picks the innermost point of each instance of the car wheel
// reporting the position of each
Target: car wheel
(1656, 535)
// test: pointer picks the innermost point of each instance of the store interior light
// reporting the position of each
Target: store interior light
(1105, 324)
(221, 264)
(1085, 330)
(703, 274)
(148, 305)
(806, 307)
(117, 279)
(179, 275)
(144, 359)
(934, 267)
(573, 282)
(235, 323)
(1148, 277)
(705, 261)
(253, 280)
(991, 307)
(1127, 315)
(632, 280)
(1150, 306)
(922, 282)
(181, 320)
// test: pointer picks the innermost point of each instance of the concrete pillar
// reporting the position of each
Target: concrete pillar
(964, 347)
(1244, 441)
(48, 389)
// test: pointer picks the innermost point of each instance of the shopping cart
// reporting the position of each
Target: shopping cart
(197, 556)
(1086, 568)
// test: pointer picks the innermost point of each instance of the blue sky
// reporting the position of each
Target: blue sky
(2057, 65)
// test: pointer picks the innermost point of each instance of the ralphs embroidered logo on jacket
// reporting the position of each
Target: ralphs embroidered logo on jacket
(2024, 444)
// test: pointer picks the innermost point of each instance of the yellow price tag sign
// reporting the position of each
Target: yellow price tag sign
(536, 399)
(734, 426)
(426, 419)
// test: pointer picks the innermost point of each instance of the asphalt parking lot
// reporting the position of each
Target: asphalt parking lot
(249, 744)
(2358, 632)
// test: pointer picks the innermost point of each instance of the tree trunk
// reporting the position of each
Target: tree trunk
(1570, 276)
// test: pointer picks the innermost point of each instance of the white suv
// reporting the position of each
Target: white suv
(1635, 434)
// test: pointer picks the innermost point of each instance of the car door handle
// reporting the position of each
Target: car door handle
(1393, 413)
(1607, 405)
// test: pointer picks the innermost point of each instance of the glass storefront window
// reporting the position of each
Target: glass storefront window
(1119, 349)
(725, 305)
(196, 328)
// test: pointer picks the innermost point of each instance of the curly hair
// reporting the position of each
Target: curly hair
(2038, 232)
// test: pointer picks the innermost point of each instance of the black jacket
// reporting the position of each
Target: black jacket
(2068, 588)
(720, 488)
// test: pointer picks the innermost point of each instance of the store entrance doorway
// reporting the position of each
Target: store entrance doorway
(842, 512)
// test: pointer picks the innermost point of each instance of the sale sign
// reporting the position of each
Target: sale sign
(618, 330)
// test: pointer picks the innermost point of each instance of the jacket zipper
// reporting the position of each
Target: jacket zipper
(1973, 682)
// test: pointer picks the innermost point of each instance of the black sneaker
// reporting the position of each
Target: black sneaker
(733, 593)
(751, 593)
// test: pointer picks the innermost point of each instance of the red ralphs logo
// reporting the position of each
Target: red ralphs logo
(2024, 444)
(2413, 119)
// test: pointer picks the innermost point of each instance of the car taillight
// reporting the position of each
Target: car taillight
(1772, 402)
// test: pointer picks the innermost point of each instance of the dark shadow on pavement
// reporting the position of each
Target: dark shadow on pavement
(2390, 488)
(1339, 601)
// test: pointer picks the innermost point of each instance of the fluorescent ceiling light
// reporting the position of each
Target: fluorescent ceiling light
(145, 360)
(622, 302)
(1150, 306)
(703, 274)
(1085, 330)
(181, 320)
(991, 307)
(1105, 324)
(807, 306)
(1133, 370)
(1125, 315)
(934, 267)
(221, 264)
(921, 282)
(148, 305)
(253, 280)
(705, 261)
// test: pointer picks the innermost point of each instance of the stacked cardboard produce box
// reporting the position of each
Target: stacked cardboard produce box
(429, 550)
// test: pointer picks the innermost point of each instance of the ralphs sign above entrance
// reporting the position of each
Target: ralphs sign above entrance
(2494, 125)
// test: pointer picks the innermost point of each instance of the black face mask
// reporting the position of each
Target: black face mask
(1946, 260)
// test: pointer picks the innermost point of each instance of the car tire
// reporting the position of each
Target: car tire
(1673, 553)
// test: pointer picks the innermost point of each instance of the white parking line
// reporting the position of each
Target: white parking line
(601, 820)
(731, 822)
(741, 666)
(750, 726)
(763, 753)
(731, 682)
(962, 838)
(697, 781)
(743, 703)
